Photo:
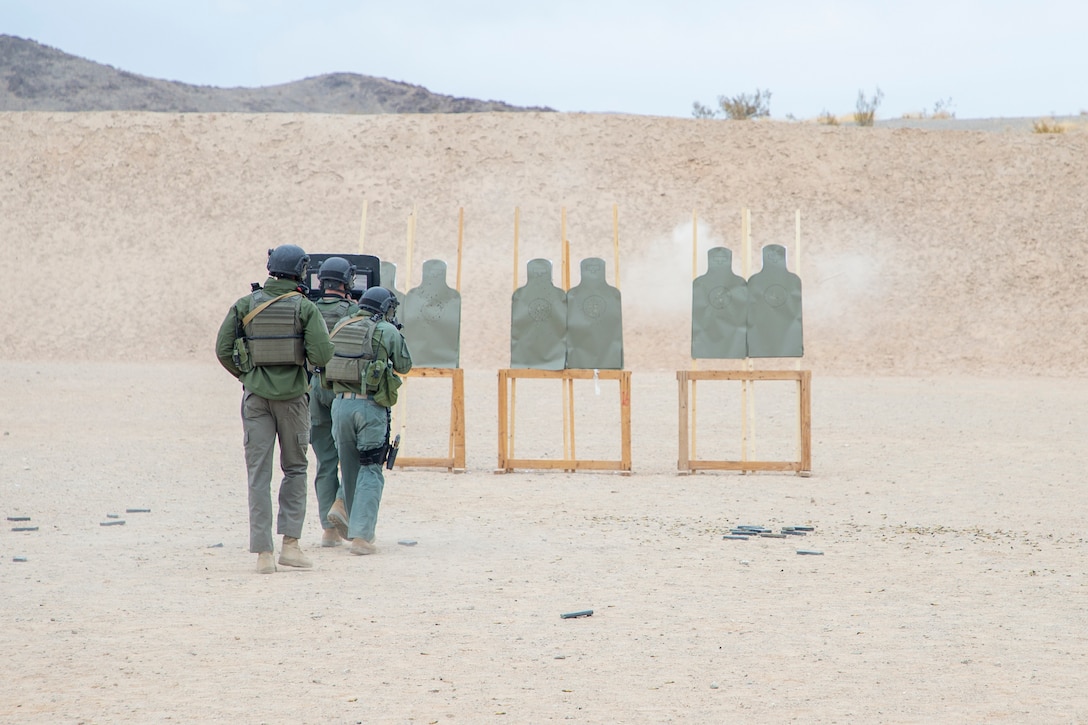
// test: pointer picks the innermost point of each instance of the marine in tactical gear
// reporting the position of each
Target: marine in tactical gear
(336, 277)
(369, 354)
(266, 341)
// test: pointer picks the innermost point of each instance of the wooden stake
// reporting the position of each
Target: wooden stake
(513, 411)
(797, 362)
(457, 419)
(564, 275)
(517, 225)
(460, 243)
(616, 241)
(751, 412)
(565, 252)
(797, 254)
(566, 420)
(684, 457)
(749, 365)
(514, 381)
(694, 274)
(745, 244)
(797, 240)
(694, 419)
(694, 262)
(410, 243)
(505, 450)
(746, 256)
(403, 398)
(694, 245)
(570, 403)
(566, 265)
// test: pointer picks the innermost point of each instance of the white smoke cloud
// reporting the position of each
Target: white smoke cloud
(834, 285)
(658, 278)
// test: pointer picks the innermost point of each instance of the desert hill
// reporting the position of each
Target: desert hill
(921, 251)
(36, 77)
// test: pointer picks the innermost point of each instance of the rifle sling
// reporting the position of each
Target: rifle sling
(347, 321)
(259, 308)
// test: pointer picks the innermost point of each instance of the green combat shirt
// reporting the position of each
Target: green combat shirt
(275, 382)
(389, 344)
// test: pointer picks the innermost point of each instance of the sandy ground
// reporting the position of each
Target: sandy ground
(952, 586)
(943, 327)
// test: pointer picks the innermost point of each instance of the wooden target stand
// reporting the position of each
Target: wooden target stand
(454, 462)
(508, 385)
(687, 462)
(570, 462)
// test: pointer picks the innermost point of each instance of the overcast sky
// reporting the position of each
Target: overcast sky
(977, 58)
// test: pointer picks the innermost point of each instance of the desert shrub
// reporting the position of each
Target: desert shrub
(745, 106)
(943, 109)
(698, 110)
(865, 109)
(1047, 125)
(739, 107)
(826, 118)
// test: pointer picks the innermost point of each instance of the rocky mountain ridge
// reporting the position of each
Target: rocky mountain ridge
(36, 77)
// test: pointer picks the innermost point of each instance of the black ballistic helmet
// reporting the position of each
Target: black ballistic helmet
(378, 299)
(288, 260)
(337, 269)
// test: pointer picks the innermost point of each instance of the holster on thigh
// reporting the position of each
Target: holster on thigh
(373, 455)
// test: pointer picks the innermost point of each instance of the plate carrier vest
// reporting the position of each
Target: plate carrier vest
(353, 340)
(274, 335)
(333, 312)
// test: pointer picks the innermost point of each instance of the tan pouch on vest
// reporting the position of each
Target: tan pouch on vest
(387, 389)
(241, 356)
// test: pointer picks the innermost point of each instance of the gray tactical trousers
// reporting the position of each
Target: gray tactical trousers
(327, 477)
(263, 423)
(358, 425)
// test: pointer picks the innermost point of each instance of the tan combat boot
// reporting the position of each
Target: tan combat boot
(291, 554)
(330, 538)
(265, 563)
(361, 547)
(338, 517)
